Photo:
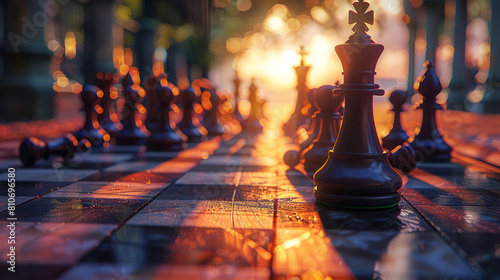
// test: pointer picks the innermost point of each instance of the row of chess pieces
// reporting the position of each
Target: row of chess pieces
(326, 111)
(158, 132)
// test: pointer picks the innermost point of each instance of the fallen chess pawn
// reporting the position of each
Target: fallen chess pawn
(32, 149)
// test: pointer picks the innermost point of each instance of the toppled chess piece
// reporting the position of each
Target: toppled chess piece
(91, 130)
(403, 158)
(33, 149)
(357, 173)
(133, 132)
(329, 119)
(211, 121)
(397, 136)
(186, 125)
(164, 137)
(429, 144)
(252, 123)
(108, 119)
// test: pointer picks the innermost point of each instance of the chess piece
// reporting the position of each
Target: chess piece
(429, 144)
(357, 173)
(397, 136)
(211, 122)
(297, 118)
(314, 126)
(133, 132)
(164, 138)
(291, 158)
(329, 121)
(91, 96)
(252, 123)
(152, 114)
(186, 125)
(33, 149)
(403, 158)
(108, 119)
(237, 113)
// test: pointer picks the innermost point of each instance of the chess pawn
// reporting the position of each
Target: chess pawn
(108, 119)
(186, 125)
(152, 114)
(314, 126)
(164, 138)
(91, 96)
(252, 123)
(33, 149)
(211, 122)
(397, 136)
(133, 132)
(329, 121)
(429, 144)
(357, 173)
(403, 158)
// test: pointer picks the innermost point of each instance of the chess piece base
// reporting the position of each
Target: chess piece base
(431, 150)
(166, 141)
(131, 137)
(357, 181)
(193, 134)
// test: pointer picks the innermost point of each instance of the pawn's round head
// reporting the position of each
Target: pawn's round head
(165, 95)
(310, 98)
(188, 96)
(90, 95)
(398, 98)
(326, 101)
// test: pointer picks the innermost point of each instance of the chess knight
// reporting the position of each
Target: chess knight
(357, 173)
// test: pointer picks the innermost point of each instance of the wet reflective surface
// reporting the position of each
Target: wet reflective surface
(230, 209)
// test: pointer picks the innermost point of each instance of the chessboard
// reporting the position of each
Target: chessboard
(229, 208)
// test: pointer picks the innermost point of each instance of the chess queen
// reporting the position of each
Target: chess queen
(357, 173)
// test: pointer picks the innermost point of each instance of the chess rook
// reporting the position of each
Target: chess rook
(91, 130)
(133, 132)
(397, 136)
(429, 144)
(33, 149)
(329, 120)
(186, 125)
(164, 137)
(357, 173)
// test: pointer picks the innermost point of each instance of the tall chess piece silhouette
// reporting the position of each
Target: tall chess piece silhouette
(429, 144)
(357, 173)
(252, 123)
(397, 136)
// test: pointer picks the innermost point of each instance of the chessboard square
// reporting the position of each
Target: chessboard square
(99, 211)
(391, 255)
(4, 201)
(463, 219)
(113, 190)
(449, 196)
(97, 271)
(290, 193)
(259, 178)
(239, 161)
(221, 192)
(207, 178)
(102, 157)
(174, 166)
(481, 248)
(133, 166)
(33, 189)
(32, 272)
(6, 163)
(51, 175)
(134, 177)
(186, 246)
(63, 244)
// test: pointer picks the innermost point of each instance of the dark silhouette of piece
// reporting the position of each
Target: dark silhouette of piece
(357, 173)
(329, 120)
(186, 125)
(403, 158)
(133, 132)
(152, 114)
(237, 113)
(164, 138)
(33, 149)
(429, 144)
(211, 122)
(397, 136)
(108, 119)
(91, 96)
(252, 123)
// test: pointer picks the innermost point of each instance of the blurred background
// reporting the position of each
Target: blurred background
(51, 48)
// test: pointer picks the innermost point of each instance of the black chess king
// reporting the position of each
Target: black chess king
(357, 173)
